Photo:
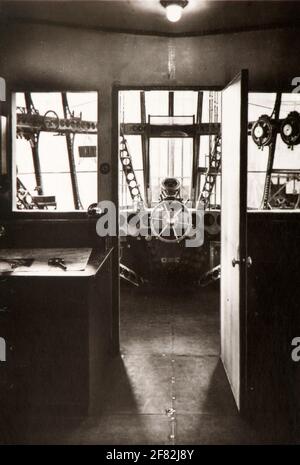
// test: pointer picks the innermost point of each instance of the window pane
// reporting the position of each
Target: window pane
(157, 103)
(130, 106)
(170, 158)
(284, 192)
(185, 103)
(61, 134)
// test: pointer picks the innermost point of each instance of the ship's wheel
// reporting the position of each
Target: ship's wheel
(171, 221)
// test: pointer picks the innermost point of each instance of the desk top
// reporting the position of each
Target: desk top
(34, 262)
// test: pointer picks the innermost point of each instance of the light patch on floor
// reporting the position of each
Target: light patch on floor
(167, 387)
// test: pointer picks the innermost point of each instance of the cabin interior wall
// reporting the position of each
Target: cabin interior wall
(47, 58)
(97, 61)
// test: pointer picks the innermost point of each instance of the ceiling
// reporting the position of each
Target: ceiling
(148, 16)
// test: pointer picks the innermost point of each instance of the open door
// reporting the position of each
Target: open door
(233, 233)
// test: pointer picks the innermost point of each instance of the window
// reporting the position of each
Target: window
(283, 192)
(171, 158)
(161, 136)
(55, 160)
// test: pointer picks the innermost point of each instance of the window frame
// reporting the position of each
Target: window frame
(11, 147)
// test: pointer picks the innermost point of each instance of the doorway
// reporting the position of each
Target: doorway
(170, 311)
(163, 305)
(169, 151)
(159, 381)
(169, 185)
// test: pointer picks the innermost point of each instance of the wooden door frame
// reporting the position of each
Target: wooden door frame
(115, 187)
(244, 242)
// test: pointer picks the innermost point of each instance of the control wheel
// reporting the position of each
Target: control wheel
(171, 221)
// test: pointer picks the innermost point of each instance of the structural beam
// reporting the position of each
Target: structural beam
(196, 150)
(272, 148)
(70, 147)
(145, 147)
(34, 144)
(175, 130)
(28, 123)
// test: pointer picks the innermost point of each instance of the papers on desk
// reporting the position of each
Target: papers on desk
(36, 260)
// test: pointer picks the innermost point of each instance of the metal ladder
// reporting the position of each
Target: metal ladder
(212, 172)
(126, 162)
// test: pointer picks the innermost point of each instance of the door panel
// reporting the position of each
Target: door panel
(233, 231)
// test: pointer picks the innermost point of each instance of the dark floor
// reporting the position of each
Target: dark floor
(169, 385)
(173, 387)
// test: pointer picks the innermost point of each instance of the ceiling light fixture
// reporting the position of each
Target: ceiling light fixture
(174, 9)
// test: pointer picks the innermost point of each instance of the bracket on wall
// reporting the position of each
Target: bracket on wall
(104, 168)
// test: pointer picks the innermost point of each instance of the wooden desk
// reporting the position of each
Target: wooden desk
(57, 328)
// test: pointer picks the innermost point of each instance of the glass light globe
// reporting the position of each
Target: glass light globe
(174, 13)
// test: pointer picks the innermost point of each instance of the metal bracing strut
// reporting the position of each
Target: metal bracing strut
(196, 149)
(34, 144)
(130, 275)
(272, 148)
(70, 147)
(145, 147)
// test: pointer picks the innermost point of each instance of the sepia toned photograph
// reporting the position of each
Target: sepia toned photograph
(149, 225)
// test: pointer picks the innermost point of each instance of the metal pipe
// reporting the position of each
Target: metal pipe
(70, 147)
(272, 148)
(34, 144)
